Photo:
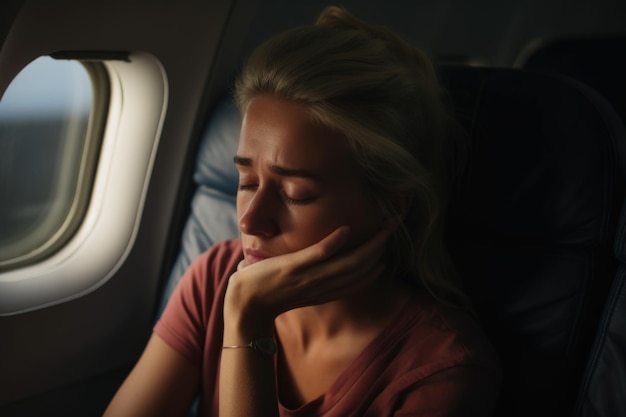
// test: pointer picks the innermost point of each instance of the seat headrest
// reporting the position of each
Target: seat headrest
(214, 164)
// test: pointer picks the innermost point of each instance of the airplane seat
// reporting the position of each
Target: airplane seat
(602, 392)
(532, 222)
(212, 215)
(532, 219)
(599, 62)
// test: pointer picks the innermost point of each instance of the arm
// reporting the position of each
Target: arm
(162, 383)
(258, 293)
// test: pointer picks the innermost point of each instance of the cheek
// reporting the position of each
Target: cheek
(311, 226)
(303, 226)
(359, 212)
(308, 221)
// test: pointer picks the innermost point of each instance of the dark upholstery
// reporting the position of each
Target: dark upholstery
(212, 217)
(599, 62)
(532, 224)
(532, 220)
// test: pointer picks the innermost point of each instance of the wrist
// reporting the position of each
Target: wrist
(244, 316)
(264, 345)
(240, 331)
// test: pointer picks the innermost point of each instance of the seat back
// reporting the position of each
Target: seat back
(532, 222)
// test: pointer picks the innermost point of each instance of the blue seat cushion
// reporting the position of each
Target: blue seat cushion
(212, 216)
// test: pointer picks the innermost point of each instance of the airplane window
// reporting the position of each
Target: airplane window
(75, 160)
(45, 145)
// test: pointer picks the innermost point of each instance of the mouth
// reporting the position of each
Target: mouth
(253, 256)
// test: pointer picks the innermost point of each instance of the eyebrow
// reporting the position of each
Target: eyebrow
(282, 171)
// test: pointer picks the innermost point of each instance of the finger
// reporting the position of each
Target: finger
(351, 268)
(334, 242)
(341, 287)
(368, 254)
(322, 250)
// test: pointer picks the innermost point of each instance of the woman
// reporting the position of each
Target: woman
(338, 298)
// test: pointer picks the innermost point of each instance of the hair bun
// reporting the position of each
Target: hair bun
(405, 53)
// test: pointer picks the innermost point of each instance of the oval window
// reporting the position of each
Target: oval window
(46, 156)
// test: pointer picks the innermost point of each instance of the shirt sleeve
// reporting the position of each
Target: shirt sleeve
(183, 324)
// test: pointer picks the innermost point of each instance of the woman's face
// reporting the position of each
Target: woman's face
(297, 182)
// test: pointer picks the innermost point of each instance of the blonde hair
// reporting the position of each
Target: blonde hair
(383, 96)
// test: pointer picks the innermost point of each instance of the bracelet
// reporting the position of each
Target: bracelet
(264, 345)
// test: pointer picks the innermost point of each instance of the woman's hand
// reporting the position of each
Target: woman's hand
(315, 275)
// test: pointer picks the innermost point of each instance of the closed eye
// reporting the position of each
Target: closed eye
(297, 201)
(246, 187)
(289, 200)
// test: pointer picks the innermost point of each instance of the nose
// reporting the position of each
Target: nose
(257, 213)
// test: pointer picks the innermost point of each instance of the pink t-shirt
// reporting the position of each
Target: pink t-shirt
(430, 361)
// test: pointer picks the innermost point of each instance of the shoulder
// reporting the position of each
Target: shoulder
(443, 361)
(223, 253)
(447, 334)
(430, 341)
(204, 280)
(184, 321)
(217, 262)
(431, 360)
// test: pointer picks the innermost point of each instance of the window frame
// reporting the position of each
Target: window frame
(101, 239)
